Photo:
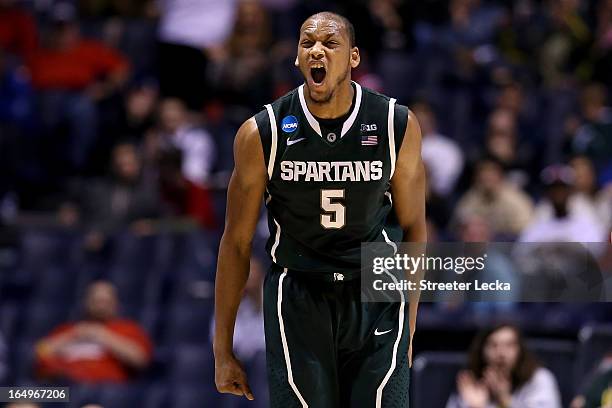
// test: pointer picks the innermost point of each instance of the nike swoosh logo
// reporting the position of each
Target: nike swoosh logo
(292, 142)
(377, 333)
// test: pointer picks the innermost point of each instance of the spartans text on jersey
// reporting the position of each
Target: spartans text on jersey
(331, 171)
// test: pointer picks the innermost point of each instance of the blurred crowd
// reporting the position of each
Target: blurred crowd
(120, 113)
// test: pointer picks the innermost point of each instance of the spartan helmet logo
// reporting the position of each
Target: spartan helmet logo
(331, 137)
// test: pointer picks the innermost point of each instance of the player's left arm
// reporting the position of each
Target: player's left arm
(408, 187)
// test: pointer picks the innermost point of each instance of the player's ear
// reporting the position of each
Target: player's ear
(355, 57)
(296, 63)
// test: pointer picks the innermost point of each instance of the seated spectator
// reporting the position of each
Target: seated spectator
(594, 138)
(15, 94)
(583, 200)
(124, 199)
(181, 196)
(597, 393)
(137, 113)
(502, 143)
(179, 131)
(442, 156)
(99, 348)
(563, 225)
(503, 373)
(507, 208)
(587, 192)
(242, 67)
(72, 74)
(189, 32)
(18, 33)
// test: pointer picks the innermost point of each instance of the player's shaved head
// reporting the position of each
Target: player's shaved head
(346, 25)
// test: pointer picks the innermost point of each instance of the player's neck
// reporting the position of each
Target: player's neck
(337, 106)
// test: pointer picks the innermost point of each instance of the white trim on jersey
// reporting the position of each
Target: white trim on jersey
(348, 123)
(274, 129)
(388, 194)
(351, 119)
(388, 241)
(311, 119)
(276, 240)
(281, 324)
(391, 133)
(381, 387)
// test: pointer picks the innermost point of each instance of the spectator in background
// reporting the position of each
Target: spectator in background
(137, 114)
(473, 23)
(566, 42)
(243, 67)
(587, 193)
(507, 208)
(125, 198)
(602, 48)
(189, 32)
(502, 372)
(16, 113)
(22, 405)
(502, 144)
(515, 98)
(131, 121)
(100, 348)
(18, 32)
(181, 196)
(442, 156)
(15, 94)
(594, 137)
(475, 230)
(178, 130)
(390, 26)
(597, 393)
(72, 74)
(582, 201)
(559, 223)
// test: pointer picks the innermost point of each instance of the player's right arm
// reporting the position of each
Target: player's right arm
(244, 197)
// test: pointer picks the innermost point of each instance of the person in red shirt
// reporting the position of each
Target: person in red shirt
(100, 348)
(68, 61)
(71, 75)
(18, 33)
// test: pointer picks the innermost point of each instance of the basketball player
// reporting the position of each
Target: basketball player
(332, 159)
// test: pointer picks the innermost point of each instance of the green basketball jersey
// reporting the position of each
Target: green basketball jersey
(329, 190)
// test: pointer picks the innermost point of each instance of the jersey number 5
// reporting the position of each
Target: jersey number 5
(334, 211)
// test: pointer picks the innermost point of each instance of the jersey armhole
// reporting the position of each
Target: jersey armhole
(267, 136)
(400, 125)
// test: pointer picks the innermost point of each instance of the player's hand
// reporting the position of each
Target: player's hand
(230, 377)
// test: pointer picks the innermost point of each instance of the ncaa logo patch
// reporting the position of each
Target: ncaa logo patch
(289, 124)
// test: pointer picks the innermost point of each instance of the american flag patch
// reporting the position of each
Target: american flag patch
(369, 140)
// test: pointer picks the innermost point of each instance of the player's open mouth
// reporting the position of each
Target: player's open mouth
(318, 75)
